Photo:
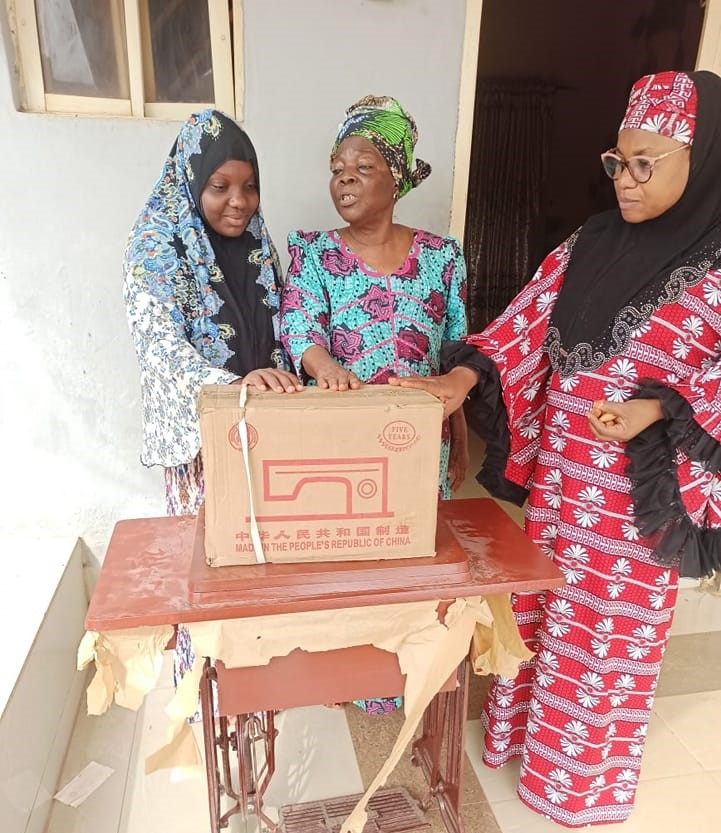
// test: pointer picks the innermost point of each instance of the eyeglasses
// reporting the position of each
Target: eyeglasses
(640, 167)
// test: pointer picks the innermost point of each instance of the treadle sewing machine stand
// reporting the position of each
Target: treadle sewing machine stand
(175, 587)
(254, 772)
(236, 739)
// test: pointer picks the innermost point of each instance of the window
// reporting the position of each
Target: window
(143, 58)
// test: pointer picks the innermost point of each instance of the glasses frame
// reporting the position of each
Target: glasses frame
(613, 154)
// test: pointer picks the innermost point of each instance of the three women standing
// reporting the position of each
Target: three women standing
(598, 391)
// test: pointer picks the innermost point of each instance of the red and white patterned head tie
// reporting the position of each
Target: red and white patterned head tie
(663, 103)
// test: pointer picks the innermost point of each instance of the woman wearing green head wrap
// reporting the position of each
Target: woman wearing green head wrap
(374, 298)
(383, 122)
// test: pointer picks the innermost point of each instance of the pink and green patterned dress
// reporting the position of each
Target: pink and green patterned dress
(375, 325)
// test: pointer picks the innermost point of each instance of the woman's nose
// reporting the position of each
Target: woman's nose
(625, 180)
(347, 176)
(237, 199)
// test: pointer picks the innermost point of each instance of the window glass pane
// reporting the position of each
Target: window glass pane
(179, 66)
(83, 47)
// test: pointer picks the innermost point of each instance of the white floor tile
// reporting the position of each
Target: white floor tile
(693, 719)
(665, 756)
(239, 825)
(514, 817)
(687, 802)
(696, 612)
(662, 806)
(162, 800)
(497, 784)
(315, 758)
(108, 740)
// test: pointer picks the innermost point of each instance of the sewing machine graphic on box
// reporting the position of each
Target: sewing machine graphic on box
(324, 489)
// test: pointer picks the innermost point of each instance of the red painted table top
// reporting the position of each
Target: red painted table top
(145, 578)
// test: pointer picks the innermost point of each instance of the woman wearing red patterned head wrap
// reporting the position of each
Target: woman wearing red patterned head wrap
(599, 393)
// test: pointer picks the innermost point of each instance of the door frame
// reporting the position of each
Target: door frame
(709, 57)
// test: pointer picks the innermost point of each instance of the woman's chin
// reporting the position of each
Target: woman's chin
(231, 230)
(632, 213)
(345, 214)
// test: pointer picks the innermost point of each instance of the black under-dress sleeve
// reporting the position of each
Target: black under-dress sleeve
(659, 509)
(486, 414)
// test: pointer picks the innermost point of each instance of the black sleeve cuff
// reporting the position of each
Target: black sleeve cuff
(660, 513)
(486, 414)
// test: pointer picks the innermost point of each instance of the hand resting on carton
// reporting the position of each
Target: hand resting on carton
(272, 378)
(328, 374)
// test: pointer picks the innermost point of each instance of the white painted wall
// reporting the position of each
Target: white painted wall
(69, 411)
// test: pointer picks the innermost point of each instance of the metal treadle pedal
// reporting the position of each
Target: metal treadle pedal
(390, 810)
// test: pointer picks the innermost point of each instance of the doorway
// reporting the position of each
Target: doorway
(552, 84)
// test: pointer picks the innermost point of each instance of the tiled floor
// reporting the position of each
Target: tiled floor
(325, 752)
(679, 777)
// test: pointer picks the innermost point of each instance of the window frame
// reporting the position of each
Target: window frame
(226, 59)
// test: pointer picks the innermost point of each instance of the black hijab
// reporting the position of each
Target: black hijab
(619, 271)
(245, 309)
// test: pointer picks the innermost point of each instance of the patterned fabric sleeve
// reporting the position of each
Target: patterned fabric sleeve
(172, 373)
(305, 304)
(702, 391)
(675, 468)
(456, 323)
(514, 342)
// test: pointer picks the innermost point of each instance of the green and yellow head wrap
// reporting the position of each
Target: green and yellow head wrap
(383, 121)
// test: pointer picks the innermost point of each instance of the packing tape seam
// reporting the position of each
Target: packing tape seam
(243, 434)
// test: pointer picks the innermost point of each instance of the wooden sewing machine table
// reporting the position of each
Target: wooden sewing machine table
(154, 574)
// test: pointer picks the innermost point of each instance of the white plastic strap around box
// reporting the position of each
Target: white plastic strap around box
(243, 434)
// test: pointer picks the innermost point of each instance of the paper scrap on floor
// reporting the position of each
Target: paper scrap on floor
(84, 784)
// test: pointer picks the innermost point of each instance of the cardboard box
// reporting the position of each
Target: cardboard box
(334, 476)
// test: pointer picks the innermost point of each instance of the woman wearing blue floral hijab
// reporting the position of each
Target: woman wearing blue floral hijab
(202, 284)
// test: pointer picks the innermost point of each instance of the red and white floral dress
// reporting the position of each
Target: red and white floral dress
(577, 714)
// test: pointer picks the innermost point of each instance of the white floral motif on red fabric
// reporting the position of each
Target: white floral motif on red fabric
(663, 103)
(579, 711)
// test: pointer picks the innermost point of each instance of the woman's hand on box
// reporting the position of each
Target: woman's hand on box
(271, 378)
(328, 374)
(451, 388)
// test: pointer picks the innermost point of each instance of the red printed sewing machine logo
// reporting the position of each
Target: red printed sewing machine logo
(234, 437)
(325, 488)
(398, 435)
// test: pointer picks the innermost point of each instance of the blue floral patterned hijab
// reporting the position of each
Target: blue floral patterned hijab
(232, 316)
